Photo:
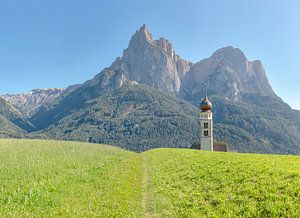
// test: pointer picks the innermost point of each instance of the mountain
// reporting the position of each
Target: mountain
(27, 103)
(249, 116)
(135, 117)
(267, 128)
(148, 61)
(243, 100)
(77, 98)
(151, 62)
(9, 130)
(228, 73)
(10, 113)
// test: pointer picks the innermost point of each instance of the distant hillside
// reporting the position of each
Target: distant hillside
(138, 118)
(11, 114)
(135, 117)
(27, 103)
(9, 130)
(50, 178)
(271, 127)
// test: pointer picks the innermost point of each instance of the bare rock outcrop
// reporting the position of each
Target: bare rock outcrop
(27, 103)
(227, 72)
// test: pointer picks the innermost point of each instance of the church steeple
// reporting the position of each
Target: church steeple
(206, 105)
(206, 122)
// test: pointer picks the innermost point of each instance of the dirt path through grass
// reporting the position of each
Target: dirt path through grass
(48, 178)
(145, 183)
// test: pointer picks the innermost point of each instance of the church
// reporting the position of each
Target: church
(206, 129)
(206, 125)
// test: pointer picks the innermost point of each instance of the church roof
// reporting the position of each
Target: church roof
(206, 105)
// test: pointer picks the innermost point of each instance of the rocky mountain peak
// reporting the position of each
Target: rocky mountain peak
(152, 62)
(166, 46)
(28, 102)
(142, 36)
(144, 29)
(155, 63)
(229, 54)
(227, 72)
(46, 90)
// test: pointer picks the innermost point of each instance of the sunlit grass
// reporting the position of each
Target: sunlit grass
(189, 183)
(68, 178)
(55, 178)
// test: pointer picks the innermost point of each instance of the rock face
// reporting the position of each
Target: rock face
(227, 72)
(155, 63)
(152, 62)
(27, 103)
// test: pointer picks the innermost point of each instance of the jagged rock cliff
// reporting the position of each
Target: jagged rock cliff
(228, 73)
(152, 62)
(27, 103)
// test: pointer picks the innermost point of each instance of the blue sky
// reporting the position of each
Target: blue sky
(62, 42)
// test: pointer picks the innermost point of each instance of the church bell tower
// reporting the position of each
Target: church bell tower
(206, 122)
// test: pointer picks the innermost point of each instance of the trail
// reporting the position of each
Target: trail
(145, 181)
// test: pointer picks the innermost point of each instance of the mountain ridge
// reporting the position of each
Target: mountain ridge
(27, 103)
(226, 72)
(248, 113)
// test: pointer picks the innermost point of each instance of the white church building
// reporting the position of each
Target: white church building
(206, 125)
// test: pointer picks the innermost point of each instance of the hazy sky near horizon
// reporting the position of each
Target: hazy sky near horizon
(62, 42)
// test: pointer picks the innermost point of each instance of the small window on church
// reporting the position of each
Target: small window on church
(205, 133)
(205, 126)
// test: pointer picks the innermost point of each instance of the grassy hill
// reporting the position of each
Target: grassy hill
(189, 183)
(56, 178)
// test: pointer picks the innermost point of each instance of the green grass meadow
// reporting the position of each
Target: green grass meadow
(190, 183)
(71, 179)
(55, 178)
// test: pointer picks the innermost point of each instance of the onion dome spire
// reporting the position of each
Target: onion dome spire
(205, 105)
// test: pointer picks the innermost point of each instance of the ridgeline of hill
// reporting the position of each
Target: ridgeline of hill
(57, 178)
